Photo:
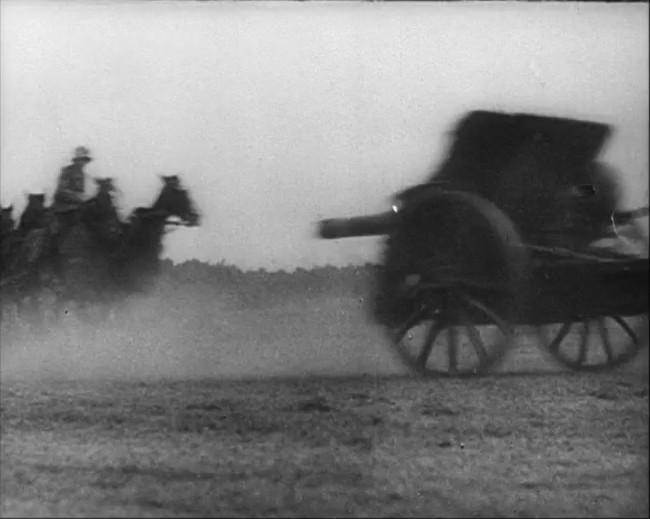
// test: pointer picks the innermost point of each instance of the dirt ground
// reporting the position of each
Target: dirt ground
(138, 420)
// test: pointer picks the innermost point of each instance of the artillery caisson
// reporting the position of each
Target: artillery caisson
(510, 232)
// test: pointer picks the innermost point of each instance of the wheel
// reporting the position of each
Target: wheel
(453, 279)
(602, 343)
(596, 344)
(448, 341)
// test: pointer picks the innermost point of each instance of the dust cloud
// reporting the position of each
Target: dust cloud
(215, 322)
(202, 335)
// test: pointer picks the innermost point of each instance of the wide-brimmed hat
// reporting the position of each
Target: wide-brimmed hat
(82, 153)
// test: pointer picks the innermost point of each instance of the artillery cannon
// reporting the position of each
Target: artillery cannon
(501, 236)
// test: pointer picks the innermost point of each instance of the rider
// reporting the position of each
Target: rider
(69, 194)
(72, 182)
(70, 189)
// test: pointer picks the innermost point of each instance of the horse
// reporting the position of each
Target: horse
(104, 259)
(7, 223)
(8, 242)
(82, 247)
(137, 259)
(34, 216)
(23, 255)
(37, 265)
(99, 214)
(7, 236)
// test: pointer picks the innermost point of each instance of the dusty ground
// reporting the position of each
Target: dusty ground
(136, 421)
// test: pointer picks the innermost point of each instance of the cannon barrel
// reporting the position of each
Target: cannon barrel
(371, 225)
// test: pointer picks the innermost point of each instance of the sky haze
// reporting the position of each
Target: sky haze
(277, 114)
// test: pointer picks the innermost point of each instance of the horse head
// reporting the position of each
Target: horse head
(105, 186)
(174, 200)
(7, 223)
(142, 237)
(103, 200)
(100, 214)
(35, 201)
(35, 214)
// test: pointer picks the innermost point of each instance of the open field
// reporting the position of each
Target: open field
(167, 412)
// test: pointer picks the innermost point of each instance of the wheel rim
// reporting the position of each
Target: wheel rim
(437, 241)
(428, 345)
(596, 344)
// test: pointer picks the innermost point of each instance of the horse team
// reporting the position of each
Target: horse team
(85, 256)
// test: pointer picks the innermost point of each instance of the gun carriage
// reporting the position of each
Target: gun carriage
(506, 235)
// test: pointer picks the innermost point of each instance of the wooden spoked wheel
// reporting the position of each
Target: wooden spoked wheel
(449, 342)
(469, 270)
(597, 344)
(609, 340)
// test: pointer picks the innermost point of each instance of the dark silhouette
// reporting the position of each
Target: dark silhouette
(9, 242)
(82, 239)
(81, 252)
(100, 260)
(7, 223)
(69, 203)
(25, 255)
(35, 215)
(99, 214)
(137, 258)
(506, 232)
(71, 183)
(541, 171)
(8, 236)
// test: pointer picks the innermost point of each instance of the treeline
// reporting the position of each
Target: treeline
(318, 281)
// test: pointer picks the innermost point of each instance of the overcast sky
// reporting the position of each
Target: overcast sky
(277, 114)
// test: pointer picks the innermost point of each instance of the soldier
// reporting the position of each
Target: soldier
(72, 182)
(68, 198)
(70, 190)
